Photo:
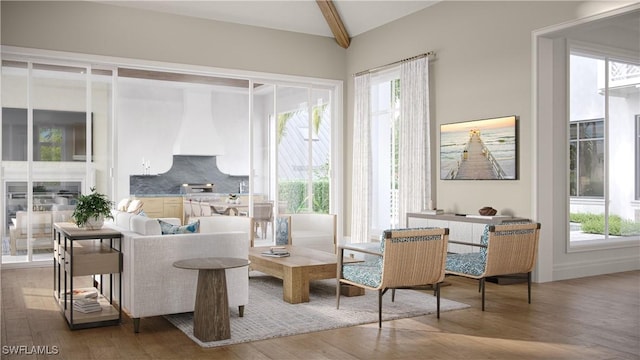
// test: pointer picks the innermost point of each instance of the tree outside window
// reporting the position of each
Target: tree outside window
(50, 143)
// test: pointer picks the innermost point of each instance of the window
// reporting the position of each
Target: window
(49, 144)
(586, 146)
(303, 181)
(385, 112)
(604, 97)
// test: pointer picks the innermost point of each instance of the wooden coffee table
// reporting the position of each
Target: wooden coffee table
(297, 270)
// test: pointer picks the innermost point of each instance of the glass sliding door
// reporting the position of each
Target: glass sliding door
(48, 149)
(15, 152)
(292, 147)
(604, 102)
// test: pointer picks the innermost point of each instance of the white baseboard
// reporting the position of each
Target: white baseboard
(595, 267)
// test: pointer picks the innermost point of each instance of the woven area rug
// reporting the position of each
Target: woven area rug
(268, 316)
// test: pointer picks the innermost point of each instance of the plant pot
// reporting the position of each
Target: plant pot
(94, 224)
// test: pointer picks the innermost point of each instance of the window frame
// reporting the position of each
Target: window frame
(608, 55)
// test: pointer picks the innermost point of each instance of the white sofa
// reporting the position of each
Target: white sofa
(316, 231)
(151, 286)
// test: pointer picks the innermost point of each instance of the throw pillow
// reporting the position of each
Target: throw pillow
(123, 204)
(134, 206)
(168, 228)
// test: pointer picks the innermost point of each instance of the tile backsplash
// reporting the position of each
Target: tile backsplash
(186, 169)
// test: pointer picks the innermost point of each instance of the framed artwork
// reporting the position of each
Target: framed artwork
(485, 149)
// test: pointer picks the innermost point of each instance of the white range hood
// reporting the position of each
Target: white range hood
(198, 134)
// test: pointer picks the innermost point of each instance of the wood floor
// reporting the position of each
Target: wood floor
(588, 318)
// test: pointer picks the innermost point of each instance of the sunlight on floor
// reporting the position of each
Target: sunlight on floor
(39, 299)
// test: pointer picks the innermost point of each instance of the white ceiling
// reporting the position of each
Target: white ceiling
(301, 16)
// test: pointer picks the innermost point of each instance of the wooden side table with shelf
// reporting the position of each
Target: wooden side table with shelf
(81, 252)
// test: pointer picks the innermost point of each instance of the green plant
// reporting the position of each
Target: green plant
(90, 206)
(594, 224)
(295, 193)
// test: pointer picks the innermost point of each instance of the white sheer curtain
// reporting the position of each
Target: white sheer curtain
(361, 180)
(414, 160)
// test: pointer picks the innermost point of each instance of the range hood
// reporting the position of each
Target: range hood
(197, 134)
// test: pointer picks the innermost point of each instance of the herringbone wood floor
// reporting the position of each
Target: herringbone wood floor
(589, 318)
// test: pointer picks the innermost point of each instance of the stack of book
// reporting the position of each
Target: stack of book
(276, 251)
(85, 300)
(86, 305)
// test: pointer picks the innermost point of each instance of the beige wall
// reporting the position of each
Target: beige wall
(92, 28)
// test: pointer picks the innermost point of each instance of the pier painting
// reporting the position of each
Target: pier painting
(479, 150)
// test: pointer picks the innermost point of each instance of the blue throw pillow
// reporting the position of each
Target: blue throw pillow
(168, 228)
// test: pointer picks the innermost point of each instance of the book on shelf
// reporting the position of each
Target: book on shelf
(433, 211)
(86, 305)
(84, 293)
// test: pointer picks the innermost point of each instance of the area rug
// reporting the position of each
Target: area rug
(268, 316)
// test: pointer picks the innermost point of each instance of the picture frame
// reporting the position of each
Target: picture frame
(483, 149)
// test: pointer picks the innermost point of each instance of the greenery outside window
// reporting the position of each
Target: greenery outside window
(50, 144)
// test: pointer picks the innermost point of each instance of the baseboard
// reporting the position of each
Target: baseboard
(593, 267)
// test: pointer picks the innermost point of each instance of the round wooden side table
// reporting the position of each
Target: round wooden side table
(211, 312)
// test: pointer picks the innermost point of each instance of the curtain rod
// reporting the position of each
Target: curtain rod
(430, 53)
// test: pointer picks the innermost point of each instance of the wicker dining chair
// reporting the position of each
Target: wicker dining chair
(406, 258)
(504, 250)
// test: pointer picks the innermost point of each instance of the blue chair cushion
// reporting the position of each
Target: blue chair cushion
(467, 263)
(473, 263)
(368, 273)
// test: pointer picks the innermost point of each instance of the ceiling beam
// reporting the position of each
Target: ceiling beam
(335, 23)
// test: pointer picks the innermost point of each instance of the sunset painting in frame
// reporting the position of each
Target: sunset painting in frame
(479, 149)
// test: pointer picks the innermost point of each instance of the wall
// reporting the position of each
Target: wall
(102, 29)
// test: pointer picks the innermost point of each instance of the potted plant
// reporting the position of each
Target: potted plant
(91, 210)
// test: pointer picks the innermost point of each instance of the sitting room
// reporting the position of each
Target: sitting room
(275, 168)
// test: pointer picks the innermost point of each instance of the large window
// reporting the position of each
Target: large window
(603, 179)
(385, 112)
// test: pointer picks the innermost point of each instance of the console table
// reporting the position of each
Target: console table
(211, 311)
(82, 252)
(461, 227)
